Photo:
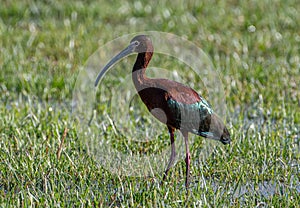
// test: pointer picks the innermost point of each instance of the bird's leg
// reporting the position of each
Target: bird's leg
(173, 153)
(187, 158)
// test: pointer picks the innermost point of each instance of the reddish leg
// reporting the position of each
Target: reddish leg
(173, 153)
(187, 158)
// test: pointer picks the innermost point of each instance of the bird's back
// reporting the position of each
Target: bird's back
(175, 104)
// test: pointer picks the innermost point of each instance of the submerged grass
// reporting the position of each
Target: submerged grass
(45, 162)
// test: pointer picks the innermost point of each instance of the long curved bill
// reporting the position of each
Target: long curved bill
(119, 56)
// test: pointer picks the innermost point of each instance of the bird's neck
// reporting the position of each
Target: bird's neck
(138, 72)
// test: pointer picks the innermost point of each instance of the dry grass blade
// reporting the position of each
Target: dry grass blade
(58, 153)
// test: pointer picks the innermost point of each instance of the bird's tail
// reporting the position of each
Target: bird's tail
(214, 128)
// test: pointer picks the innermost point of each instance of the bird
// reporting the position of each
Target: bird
(176, 105)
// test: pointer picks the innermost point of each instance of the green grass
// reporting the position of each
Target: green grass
(255, 47)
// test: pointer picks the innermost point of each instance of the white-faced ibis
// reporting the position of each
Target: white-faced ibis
(172, 103)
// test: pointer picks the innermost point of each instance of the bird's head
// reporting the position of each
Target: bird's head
(139, 44)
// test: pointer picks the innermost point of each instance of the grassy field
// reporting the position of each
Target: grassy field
(255, 46)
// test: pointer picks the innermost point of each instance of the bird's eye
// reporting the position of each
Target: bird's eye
(136, 43)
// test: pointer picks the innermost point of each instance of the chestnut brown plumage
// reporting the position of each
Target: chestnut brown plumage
(172, 103)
